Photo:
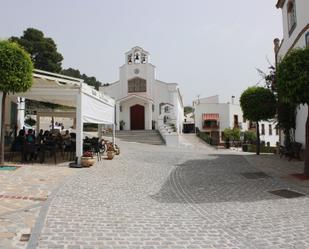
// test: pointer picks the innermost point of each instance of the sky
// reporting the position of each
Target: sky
(207, 47)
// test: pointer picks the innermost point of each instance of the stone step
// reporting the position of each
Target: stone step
(141, 136)
(138, 132)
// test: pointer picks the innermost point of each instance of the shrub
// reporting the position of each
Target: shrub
(249, 137)
(204, 136)
(264, 149)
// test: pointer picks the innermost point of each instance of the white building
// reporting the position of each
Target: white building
(142, 101)
(295, 18)
(214, 117)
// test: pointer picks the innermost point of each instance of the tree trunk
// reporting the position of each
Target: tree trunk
(306, 169)
(257, 138)
(2, 129)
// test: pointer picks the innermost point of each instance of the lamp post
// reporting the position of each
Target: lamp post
(276, 50)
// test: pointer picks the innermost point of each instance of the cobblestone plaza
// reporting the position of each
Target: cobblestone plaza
(154, 197)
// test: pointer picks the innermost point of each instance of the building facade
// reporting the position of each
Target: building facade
(295, 21)
(142, 101)
(214, 117)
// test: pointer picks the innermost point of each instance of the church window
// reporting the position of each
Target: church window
(143, 58)
(120, 108)
(136, 85)
(291, 13)
(130, 59)
(153, 107)
(137, 58)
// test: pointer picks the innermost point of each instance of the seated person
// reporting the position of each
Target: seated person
(66, 135)
(19, 141)
(30, 138)
(40, 137)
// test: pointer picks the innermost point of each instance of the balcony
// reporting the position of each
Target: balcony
(210, 121)
(211, 125)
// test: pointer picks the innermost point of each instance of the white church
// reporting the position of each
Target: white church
(142, 101)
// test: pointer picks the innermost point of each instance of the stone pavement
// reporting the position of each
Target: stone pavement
(22, 194)
(280, 168)
(153, 197)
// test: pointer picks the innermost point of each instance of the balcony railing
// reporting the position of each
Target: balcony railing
(217, 126)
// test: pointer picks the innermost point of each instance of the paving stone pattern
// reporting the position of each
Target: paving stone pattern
(153, 197)
(22, 193)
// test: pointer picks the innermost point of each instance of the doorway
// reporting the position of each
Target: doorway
(137, 117)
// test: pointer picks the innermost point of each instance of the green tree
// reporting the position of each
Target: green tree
(188, 109)
(72, 72)
(91, 81)
(16, 76)
(43, 50)
(249, 137)
(257, 104)
(232, 134)
(293, 85)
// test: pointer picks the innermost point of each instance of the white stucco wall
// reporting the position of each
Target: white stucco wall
(302, 13)
(221, 109)
(226, 115)
(272, 138)
(157, 92)
(300, 132)
(302, 20)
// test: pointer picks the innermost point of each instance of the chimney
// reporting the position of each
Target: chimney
(276, 45)
(233, 100)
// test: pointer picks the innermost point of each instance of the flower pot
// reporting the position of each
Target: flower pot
(87, 161)
(245, 147)
(110, 155)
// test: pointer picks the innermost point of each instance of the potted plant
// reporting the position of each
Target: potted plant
(110, 151)
(117, 149)
(121, 124)
(87, 159)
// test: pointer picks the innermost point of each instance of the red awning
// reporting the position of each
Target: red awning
(211, 116)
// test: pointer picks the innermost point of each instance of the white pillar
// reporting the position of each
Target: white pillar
(100, 130)
(20, 113)
(113, 138)
(117, 116)
(79, 127)
(149, 115)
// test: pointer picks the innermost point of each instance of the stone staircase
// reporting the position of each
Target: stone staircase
(141, 136)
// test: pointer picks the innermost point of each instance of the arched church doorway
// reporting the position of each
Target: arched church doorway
(137, 117)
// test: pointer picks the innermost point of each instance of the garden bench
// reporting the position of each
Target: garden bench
(291, 151)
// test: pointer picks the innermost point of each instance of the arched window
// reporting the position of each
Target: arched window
(307, 40)
(291, 14)
(137, 85)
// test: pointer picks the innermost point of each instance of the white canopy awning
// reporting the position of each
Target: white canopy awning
(91, 105)
(63, 90)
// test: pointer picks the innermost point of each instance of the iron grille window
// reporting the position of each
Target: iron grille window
(263, 129)
(136, 85)
(270, 129)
